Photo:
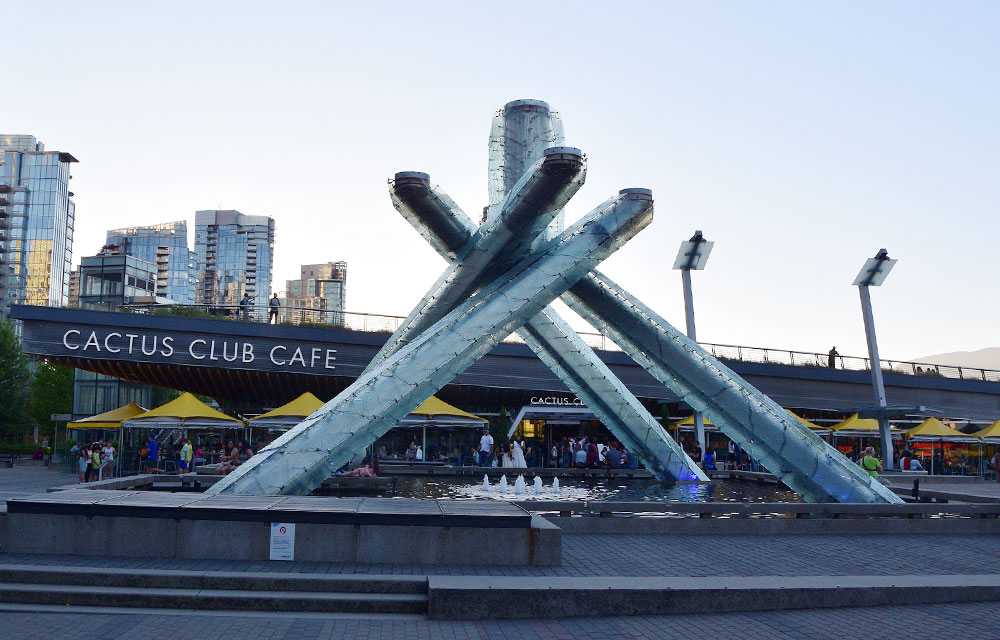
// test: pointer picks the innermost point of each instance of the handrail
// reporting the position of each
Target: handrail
(373, 322)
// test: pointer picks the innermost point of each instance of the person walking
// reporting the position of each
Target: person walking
(485, 447)
(186, 456)
(996, 463)
(152, 455)
(832, 358)
(272, 309)
(870, 463)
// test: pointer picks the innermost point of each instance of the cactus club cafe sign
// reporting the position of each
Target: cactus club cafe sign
(194, 350)
(556, 401)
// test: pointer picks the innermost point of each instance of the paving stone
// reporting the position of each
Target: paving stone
(932, 622)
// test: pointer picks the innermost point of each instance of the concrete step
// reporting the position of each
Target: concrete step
(212, 599)
(490, 597)
(203, 580)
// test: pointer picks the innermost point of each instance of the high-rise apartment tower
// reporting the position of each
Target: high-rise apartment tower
(235, 255)
(36, 223)
(320, 294)
(166, 246)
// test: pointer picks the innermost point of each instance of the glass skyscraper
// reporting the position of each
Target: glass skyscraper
(166, 246)
(320, 294)
(235, 253)
(36, 223)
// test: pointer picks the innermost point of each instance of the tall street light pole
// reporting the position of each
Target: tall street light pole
(693, 255)
(873, 274)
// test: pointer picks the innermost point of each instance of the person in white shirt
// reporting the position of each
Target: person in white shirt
(485, 447)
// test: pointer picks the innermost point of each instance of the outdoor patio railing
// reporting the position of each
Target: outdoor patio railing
(371, 322)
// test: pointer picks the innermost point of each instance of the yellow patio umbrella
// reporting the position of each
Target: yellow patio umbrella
(436, 412)
(933, 430)
(811, 425)
(689, 422)
(439, 411)
(109, 419)
(990, 434)
(288, 415)
(183, 412)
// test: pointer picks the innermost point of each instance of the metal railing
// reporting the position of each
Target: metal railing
(371, 322)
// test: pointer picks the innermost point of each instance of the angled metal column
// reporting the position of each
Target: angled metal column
(555, 343)
(798, 457)
(502, 240)
(303, 457)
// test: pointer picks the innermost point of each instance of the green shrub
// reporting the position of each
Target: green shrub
(20, 448)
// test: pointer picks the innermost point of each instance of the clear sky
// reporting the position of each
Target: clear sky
(800, 136)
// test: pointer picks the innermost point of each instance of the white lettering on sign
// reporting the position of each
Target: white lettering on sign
(297, 356)
(66, 343)
(191, 349)
(92, 341)
(159, 346)
(108, 347)
(557, 401)
(273, 349)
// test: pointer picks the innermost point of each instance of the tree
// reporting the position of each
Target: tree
(15, 380)
(51, 392)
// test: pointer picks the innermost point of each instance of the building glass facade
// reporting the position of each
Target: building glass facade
(235, 256)
(110, 280)
(320, 288)
(36, 223)
(106, 282)
(166, 246)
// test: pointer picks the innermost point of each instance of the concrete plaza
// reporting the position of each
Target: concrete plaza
(767, 557)
(931, 622)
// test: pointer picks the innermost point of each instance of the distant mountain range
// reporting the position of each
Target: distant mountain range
(988, 358)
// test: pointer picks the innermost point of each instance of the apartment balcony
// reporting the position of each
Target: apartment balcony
(3, 202)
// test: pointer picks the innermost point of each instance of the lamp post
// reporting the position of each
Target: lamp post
(693, 255)
(873, 274)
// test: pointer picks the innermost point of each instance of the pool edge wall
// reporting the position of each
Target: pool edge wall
(540, 544)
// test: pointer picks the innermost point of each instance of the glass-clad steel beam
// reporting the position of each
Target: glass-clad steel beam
(556, 344)
(502, 240)
(303, 457)
(786, 447)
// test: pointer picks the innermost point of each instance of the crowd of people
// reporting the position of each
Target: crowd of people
(94, 460)
(585, 453)
(188, 455)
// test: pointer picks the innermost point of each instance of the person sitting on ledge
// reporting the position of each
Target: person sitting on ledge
(370, 470)
(629, 461)
(613, 456)
(230, 459)
(710, 459)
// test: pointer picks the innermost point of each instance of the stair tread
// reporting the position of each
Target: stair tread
(172, 578)
(208, 593)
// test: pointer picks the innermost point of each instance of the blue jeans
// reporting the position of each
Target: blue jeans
(483, 457)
